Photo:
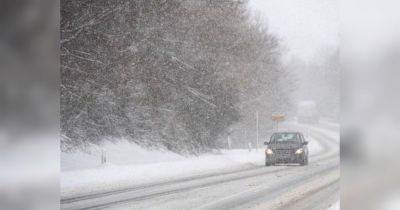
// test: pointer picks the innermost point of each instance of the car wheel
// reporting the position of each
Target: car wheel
(268, 162)
(304, 161)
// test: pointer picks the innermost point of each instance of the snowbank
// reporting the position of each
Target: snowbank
(335, 206)
(314, 147)
(120, 153)
(114, 176)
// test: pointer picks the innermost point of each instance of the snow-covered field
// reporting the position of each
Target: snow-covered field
(120, 153)
(335, 206)
(129, 164)
(162, 166)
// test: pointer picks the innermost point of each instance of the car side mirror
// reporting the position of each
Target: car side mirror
(266, 142)
(305, 143)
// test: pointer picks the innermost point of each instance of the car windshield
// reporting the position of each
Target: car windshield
(285, 137)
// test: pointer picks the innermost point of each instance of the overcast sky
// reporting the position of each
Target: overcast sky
(304, 26)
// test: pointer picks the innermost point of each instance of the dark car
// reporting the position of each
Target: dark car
(286, 147)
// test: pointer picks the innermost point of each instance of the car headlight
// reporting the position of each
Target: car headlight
(299, 151)
(269, 152)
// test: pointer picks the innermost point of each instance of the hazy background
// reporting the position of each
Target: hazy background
(305, 27)
(309, 32)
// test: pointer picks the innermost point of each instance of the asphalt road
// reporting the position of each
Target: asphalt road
(315, 186)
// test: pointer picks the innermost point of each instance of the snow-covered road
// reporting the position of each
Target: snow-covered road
(252, 186)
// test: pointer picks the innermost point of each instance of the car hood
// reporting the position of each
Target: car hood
(284, 146)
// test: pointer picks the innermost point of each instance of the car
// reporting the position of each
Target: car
(286, 147)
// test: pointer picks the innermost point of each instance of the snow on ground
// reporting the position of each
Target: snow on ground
(120, 153)
(313, 146)
(129, 164)
(330, 123)
(335, 206)
(331, 134)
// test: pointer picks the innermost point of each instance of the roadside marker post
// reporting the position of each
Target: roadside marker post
(229, 139)
(103, 157)
(257, 130)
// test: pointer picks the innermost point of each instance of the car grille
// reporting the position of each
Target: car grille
(284, 152)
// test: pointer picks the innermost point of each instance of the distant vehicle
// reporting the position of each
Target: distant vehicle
(286, 147)
(307, 112)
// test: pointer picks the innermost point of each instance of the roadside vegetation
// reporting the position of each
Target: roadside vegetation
(170, 74)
